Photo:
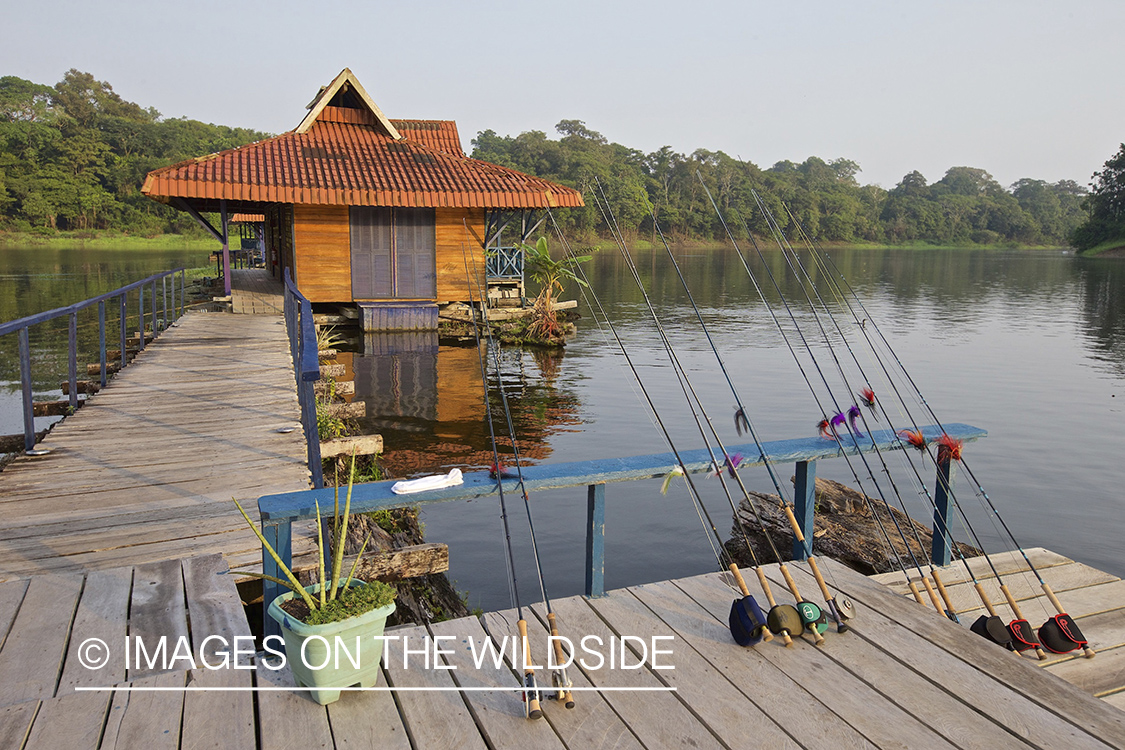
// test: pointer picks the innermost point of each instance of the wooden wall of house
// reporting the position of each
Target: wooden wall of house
(450, 238)
(323, 248)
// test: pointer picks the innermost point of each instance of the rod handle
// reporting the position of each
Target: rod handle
(786, 639)
(984, 599)
(1054, 599)
(534, 710)
(739, 580)
(793, 523)
(818, 639)
(566, 696)
(941, 590)
(933, 594)
(917, 594)
(1088, 652)
(790, 582)
(765, 586)
(1011, 601)
(527, 668)
(819, 579)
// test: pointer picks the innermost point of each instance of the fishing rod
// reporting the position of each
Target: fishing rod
(826, 423)
(914, 438)
(854, 411)
(531, 699)
(1060, 633)
(562, 683)
(1019, 630)
(748, 625)
(812, 616)
(835, 610)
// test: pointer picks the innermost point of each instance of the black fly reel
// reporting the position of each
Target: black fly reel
(747, 621)
(1023, 635)
(784, 617)
(812, 616)
(992, 628)
(1060, 634)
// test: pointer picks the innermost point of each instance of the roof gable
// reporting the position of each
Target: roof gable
(346, 89)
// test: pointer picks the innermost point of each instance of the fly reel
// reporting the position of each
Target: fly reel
(992, 628)
(812, 616)
(747, 621)
(1023, 635)
(1060, 634)
(784, 617)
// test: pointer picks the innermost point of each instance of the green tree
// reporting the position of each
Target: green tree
(1106, 204)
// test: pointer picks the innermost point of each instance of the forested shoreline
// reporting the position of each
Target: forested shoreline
(73, 157)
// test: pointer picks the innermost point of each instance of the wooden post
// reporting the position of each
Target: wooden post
(595, 541)
(941, 547)
(804, 505)
(226, 247)
(280, 537)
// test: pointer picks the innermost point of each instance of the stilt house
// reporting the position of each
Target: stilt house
(370, 211)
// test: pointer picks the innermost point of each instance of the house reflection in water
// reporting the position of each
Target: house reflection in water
(427, 401)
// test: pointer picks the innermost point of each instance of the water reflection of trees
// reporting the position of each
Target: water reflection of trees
(428, 404)
(1103, 309)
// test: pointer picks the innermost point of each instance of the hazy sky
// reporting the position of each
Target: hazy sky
(1021, 89)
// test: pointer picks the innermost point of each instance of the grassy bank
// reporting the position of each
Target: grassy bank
(106, 241)
(1109, 247)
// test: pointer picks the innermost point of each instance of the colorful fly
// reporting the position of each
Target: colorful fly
(948, 447)
(853, 415)
(914, 439)
(867, 398)
(741, 422)
(824, 427)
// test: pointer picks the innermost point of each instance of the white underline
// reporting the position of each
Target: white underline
(274, 688)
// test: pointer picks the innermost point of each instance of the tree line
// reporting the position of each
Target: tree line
(965, 206)
(73, 156)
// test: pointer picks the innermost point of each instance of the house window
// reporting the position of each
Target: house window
(393, 253)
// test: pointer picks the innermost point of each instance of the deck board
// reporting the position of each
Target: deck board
(188, 425)
(903, 677)
(1095, 599)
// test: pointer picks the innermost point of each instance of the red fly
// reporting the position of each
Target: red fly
(824, 427)
(949, 447)
(914, 438)
(867, 398)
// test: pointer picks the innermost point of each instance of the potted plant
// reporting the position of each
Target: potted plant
(335, 608)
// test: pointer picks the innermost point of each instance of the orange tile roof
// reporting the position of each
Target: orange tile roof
(344, 159)
(246, 218)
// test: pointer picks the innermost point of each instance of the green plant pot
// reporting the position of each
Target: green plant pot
(324, 682)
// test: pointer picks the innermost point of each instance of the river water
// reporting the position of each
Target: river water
(1029, 345)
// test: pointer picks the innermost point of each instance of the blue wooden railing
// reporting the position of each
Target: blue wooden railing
(21, 326)
(306, 369)
(278, 512)
(504, 263)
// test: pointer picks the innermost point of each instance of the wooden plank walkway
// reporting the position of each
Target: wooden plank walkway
(904, 677)
(1095, 599)
(146, 470)
(254, 292)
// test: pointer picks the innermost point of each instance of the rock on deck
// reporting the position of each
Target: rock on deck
(904, 677)
(147, 468)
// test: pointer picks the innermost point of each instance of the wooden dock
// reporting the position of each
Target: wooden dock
(254, 292)
(904, 677)
(146, 470)
(1094, 598)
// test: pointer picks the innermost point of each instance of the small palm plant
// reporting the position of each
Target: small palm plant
(550, 275)
(337, 599)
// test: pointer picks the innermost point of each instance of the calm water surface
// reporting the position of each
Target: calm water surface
(1028, 345)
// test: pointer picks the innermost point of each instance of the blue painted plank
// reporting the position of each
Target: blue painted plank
(940, 547)
(280, 537)
(804, 503)
(595, 541)
(377, 495)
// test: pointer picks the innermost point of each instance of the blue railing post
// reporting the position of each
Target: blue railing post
(595, 541)
(101, 340)
(804, 505)
(941, 547)
(25, 387)
(280, 537)
(124, 327)
(141, 311)
(183, 273)
(153, 311)
(72, 365)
